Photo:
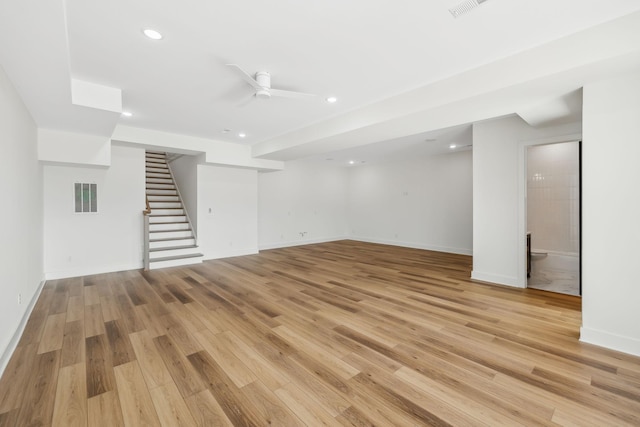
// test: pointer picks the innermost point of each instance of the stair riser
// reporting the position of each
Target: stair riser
(155, 186)
(173, 252)
(158, 175)
(165, 205)
(171, 234)
(177, 218)
(156, 192)
(159, 181)
(172, 212)
(156, 163)
(172, 243)
(170, 199)
(149, 169)
(174, 263)
(162, 166)
(168, 227)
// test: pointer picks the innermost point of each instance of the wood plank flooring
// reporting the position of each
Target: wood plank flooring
(339, 334)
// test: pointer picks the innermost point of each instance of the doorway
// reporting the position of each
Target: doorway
(553, 217)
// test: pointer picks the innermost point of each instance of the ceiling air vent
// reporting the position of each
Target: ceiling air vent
(465, 7)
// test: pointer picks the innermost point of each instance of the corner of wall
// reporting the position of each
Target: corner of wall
(15, 339)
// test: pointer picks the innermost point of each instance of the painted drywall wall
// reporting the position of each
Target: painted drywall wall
(185, 174)
(91, 243)
(499, 237)
(553, 198)
(304, 203)
(227, 211)
(21, 270)
(611, 213)
(423, 203)
(72, 148)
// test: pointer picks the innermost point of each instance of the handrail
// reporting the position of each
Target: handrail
(147, 210)
(145, 215)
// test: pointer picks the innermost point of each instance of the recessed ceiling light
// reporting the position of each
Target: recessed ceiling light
(127, 114)
(352, 162)
(152, 34)
(242, 134)
(332, 99)
(452, 146)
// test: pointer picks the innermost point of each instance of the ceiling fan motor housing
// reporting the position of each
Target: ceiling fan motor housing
(263, 78)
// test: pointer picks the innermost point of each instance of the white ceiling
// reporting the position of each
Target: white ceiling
(369, 53)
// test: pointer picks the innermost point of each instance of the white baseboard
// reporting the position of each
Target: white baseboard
(292, 243)
(495, 278)
(412, 245)
(610, 341)
(88, 271)
(15, 339)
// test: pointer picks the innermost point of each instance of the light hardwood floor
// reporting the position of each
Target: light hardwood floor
(341, 333)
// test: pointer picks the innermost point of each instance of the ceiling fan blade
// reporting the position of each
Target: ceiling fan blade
(246, 77)
(290, 94)
(246, 101)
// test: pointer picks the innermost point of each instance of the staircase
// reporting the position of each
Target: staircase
(169, 237)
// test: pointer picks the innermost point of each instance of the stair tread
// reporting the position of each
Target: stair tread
(170, 231)
(170, 222)
(170, 248)
(169, 258)
(167, 239)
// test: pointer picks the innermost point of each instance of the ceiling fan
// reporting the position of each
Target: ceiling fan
(262, 85)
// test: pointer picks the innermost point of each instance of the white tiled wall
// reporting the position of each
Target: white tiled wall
(553, 197)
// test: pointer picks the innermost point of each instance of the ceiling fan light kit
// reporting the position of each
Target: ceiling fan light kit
(263, 78)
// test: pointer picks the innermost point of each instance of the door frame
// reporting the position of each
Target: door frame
(522, 199)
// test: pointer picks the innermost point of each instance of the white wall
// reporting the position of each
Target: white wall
(553, 198)
(611, 214)
(185, 174)
(110, 240)
(422, 203)
(227, 211)
(21, 271)
(499, 239)
(304, 198)
(73, 148)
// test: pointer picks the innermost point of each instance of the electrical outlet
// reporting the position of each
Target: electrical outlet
(19, 298)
